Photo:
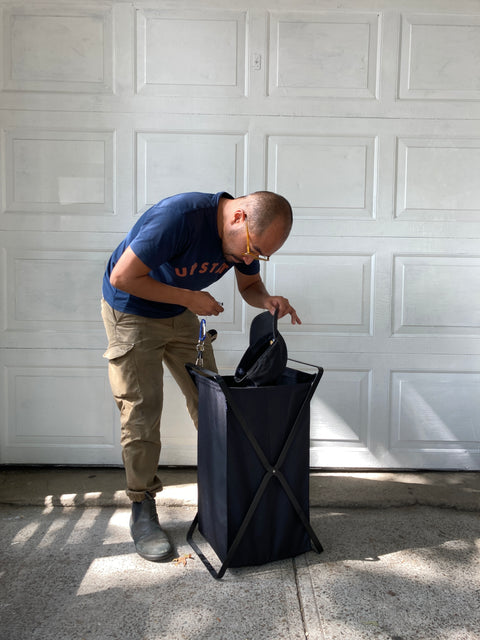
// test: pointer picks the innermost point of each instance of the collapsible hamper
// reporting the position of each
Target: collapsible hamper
(253, 468)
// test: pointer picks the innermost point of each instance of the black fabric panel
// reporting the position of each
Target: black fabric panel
(230, 472)
(212, 465)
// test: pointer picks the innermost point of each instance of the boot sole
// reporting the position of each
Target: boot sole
(163, 558)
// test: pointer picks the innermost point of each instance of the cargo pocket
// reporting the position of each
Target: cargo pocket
(117, 351)
(122, 371)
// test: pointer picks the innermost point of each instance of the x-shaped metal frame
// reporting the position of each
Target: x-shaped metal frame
(271, 471)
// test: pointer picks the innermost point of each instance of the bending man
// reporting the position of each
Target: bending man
(152, 294)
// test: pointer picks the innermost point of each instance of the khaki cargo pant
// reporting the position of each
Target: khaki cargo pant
(137, 348)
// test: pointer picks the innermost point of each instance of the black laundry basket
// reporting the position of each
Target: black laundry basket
(253, 468)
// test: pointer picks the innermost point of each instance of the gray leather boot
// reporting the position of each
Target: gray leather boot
(151, 541)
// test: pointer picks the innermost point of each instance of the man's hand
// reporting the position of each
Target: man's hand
(272, 303)
(203, 304)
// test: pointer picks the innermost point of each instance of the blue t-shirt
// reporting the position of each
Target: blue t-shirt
(178, 239)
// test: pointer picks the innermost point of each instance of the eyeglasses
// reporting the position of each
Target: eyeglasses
(255, 256)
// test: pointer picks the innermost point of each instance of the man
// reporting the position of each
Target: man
(152, 295)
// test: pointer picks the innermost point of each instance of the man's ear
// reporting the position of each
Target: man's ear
(239, 216)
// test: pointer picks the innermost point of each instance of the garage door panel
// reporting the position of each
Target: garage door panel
(428, 70)
(57, 405)
(343, 409)
(337, 301)
(52, 49)
(323, 54)
(340, 409)
(343, 187)
(433, 412)
(169, 163)
(51, 172)
(437, 179)
(435, 409)
(436, 295)
(208, 48)
(51, 289)
(65, 173)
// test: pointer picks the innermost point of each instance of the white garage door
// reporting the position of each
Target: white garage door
(365, 114)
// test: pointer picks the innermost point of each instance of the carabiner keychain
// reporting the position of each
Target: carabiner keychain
(201, 343)
(212, 334)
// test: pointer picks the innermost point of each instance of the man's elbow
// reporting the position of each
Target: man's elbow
(118, 280)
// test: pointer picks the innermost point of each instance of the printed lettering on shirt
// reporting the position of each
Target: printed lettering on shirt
(205, 267)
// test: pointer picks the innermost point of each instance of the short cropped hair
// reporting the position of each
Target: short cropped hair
(264, 207)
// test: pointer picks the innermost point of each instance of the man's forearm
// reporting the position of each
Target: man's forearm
(146, 287)
(255, 295)
(131, 275)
